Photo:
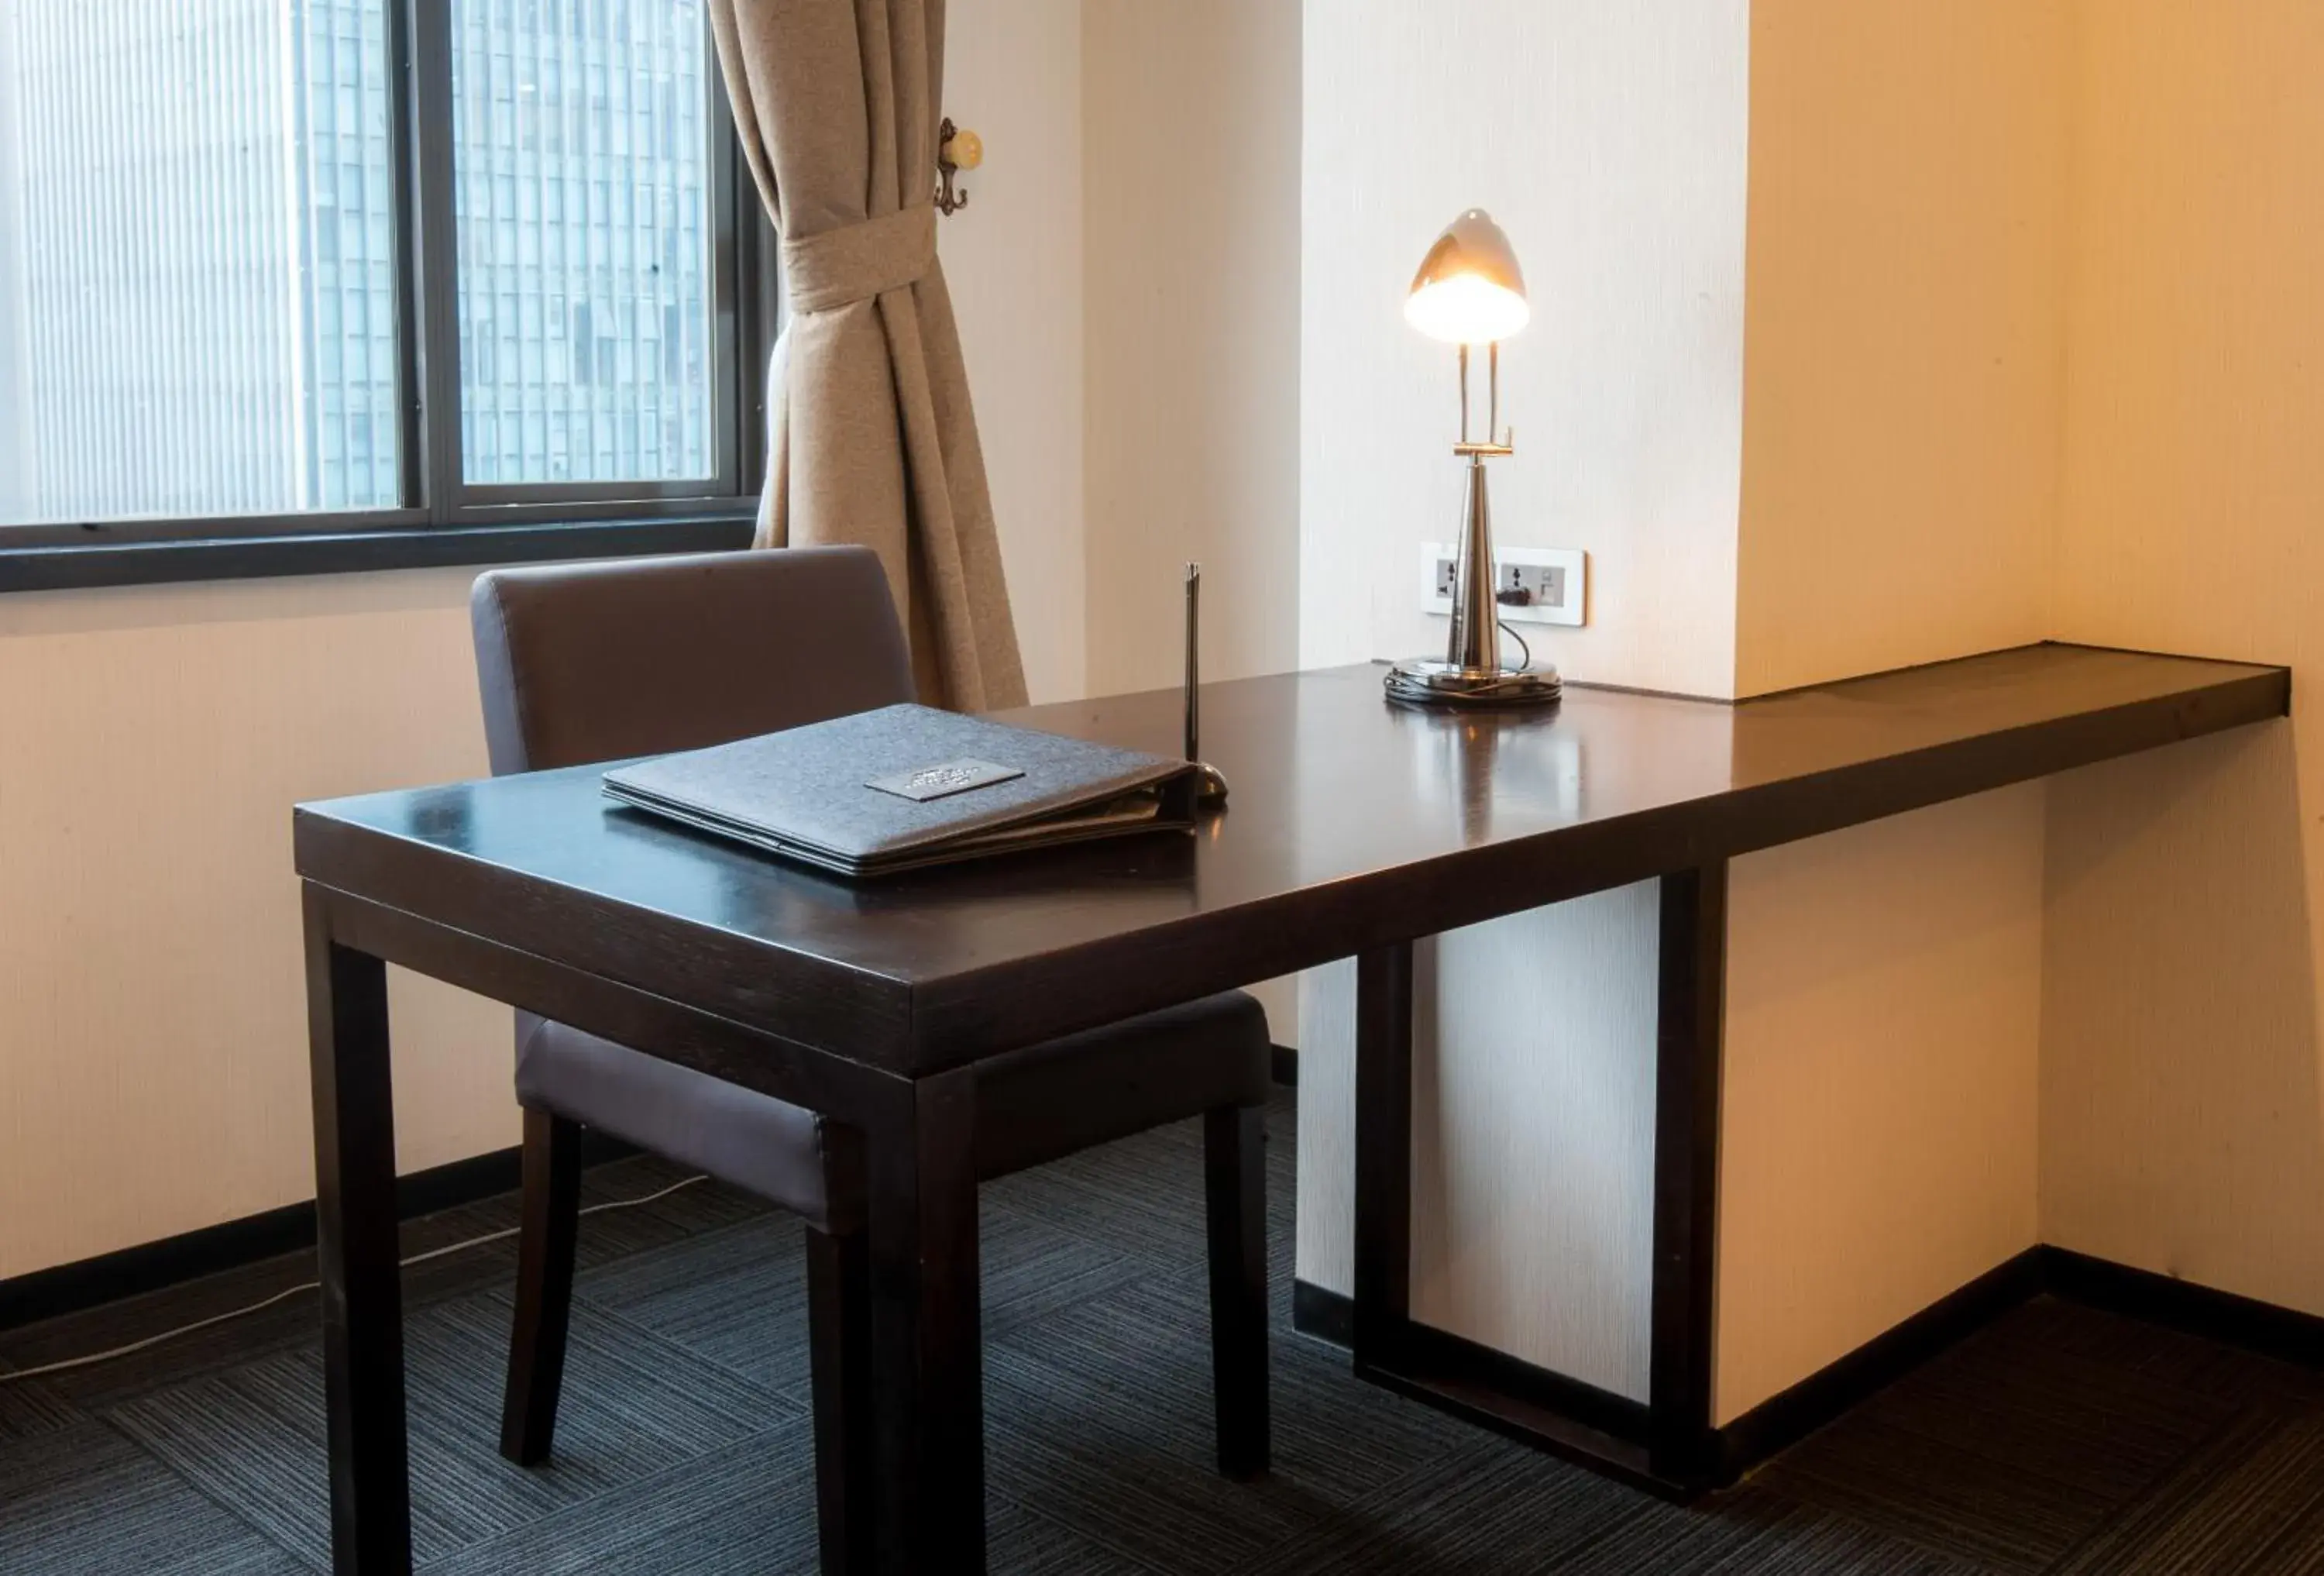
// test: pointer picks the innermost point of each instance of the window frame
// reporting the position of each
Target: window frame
(442, 518)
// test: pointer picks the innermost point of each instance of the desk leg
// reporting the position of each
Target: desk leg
(1383, 1215)
(356, 1244)
(927, 1376)
(1681, 1442)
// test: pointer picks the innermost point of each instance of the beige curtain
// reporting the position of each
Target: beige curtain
(870, 437)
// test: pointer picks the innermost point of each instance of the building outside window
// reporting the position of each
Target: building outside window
(201, 264)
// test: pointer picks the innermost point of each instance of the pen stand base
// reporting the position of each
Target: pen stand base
(1430, 681)
(1210, 786)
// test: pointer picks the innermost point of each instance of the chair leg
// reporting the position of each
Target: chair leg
(839, 1344)
(1234, 1165)
(544, 1285)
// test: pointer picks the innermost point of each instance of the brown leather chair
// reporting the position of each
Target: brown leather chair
(602, 661)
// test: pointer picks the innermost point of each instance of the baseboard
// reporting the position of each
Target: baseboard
(88, 1282)
(1284, 1066)
(2232, 1319)
(1328, 1315)
(1790, 1415)
(1783, 1420)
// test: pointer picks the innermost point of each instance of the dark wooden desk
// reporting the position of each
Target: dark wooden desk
(1355, 828)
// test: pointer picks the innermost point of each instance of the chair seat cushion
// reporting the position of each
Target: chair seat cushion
(1033, 1105)
(1061, 1097)
(766, 1146)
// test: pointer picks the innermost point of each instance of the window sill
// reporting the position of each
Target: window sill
(152, 563)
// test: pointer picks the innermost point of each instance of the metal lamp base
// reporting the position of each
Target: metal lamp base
(1432, 681)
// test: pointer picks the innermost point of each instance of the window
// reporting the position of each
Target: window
(288, 295)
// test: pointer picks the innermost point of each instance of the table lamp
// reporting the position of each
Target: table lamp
(1471, 291)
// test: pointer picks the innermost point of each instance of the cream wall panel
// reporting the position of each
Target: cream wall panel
(2182, 1126)
(1884, 1011)
(153, 1020)
(2182, 1107)
(1902, 375)
(1013, 259)
(1192, 309)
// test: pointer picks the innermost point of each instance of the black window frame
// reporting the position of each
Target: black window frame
(444, 518)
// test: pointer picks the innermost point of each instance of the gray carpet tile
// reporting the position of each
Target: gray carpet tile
(634, 1405)
(738, 1296)
(745, 1509)
(83, 1499)
(33, 1406)
(2052, 1416)
(1479, 1508)
(1947, 1497)
(1751, 1531)
(2250, 1499)
(2058, 1440)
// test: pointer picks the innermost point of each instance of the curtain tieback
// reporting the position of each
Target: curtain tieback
(857, 262)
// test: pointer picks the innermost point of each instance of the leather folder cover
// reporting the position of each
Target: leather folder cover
(907, 786)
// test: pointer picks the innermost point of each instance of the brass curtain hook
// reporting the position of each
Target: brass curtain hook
(956, 149)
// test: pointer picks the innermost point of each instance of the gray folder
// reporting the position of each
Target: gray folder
(907, 786)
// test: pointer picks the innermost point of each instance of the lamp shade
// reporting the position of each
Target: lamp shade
(1470, 289)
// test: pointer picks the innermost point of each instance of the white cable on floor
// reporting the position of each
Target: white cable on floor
(80, 1362)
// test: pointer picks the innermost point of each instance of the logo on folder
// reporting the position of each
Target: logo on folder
(944, 780)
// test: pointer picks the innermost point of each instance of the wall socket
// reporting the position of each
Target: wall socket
(1541, 585)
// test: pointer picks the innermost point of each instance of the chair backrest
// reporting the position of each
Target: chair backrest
(582, 662)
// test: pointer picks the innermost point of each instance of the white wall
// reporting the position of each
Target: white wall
(153, 1040)
(2182, 1116)
(1610, 140)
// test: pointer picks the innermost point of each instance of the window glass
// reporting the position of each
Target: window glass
(581, 132)
(196, 259)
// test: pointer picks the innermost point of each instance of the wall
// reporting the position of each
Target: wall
(152, 1043)
(1610, 140)
(1901, 414)
(2182, 1127)
(153, 1020)
(1192, 311)
(1014, 260)
(1877, 1143)
(1903, 374)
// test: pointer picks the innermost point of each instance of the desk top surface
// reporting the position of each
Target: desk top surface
(1352, 822)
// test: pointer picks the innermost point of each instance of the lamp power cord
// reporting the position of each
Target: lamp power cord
(69, 1364)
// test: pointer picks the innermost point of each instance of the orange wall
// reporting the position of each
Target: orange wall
(2182, 1123)
(1900, 419)
(1903, 357)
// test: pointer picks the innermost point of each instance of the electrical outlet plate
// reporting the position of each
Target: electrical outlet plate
(1539, 585)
